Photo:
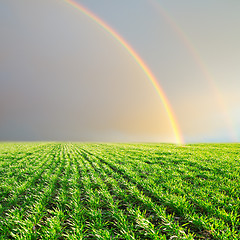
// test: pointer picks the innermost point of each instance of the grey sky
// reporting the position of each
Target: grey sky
(62, 77)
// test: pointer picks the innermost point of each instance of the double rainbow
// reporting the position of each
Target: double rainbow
(139, 61)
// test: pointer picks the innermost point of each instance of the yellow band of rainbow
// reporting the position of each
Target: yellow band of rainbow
(139, 61)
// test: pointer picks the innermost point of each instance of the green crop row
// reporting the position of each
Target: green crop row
(119, 191)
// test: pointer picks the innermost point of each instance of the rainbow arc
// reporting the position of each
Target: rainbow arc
(200, 63)
(139, 61)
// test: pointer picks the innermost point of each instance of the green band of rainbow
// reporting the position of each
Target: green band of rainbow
(139, 61)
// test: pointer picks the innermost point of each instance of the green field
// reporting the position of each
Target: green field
(119, 191)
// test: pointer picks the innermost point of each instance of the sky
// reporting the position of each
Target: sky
(63, 77)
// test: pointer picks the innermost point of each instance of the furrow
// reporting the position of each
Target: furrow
(33, 224)
(177, 205)
(158, 223)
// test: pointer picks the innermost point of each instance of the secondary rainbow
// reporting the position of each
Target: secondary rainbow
(199, 62)
(139, 61)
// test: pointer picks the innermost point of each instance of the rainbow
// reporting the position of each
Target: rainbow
(199, 62)
(139, 61)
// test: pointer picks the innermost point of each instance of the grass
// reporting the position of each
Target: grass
(119, 191)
